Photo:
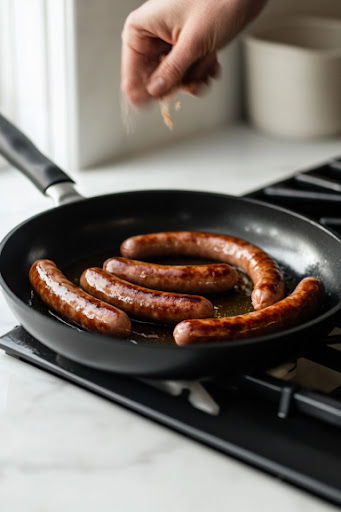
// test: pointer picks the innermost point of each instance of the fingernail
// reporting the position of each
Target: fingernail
(157, 86)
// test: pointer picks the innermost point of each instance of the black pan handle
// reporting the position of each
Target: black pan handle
(20, 151)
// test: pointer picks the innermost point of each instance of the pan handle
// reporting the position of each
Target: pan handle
(20, 151)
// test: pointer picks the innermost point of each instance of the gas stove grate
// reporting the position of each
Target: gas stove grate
(315, 193)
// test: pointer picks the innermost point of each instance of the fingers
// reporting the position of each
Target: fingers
(136, 69)
(205, 68)
(173, 67)
(140, 58)
(132, 77)
(199, 75)
(189, 33)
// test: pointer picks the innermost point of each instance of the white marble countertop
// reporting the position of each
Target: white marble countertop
(62, 448)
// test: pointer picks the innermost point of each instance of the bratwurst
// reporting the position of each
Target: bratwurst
(214, 278)
(264, 272)
(74, 304)
(299, 306)
(143, 302)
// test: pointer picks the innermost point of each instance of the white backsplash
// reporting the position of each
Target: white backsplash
(60, 74)
(101, 133)
(64, 57)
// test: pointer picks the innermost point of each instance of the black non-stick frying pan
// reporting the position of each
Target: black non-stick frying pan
(83, 229)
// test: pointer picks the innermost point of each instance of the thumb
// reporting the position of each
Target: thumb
(173, 67)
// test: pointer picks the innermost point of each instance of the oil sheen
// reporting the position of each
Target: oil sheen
(230, 303)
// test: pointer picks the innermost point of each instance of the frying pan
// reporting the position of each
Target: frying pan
(81, 227)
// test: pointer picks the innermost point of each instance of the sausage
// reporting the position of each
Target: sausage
(266, 276)
(74, 304)
(214, 278)
(299, 306)
(143, 302)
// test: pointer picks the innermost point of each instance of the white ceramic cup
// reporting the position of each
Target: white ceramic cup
(293, 73)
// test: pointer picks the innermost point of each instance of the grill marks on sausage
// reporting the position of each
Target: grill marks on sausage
(299, 306)
(265, 273)
(143, 302)
(214, 278)
(74, 304)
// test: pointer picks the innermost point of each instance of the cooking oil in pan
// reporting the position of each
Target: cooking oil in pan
(233, 302)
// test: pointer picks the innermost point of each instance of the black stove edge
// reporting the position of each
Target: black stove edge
(160, 415)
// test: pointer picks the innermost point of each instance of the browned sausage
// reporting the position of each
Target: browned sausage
(214, 278)
(144, 302)
(294, 309)
(264, 272)
(74, 304)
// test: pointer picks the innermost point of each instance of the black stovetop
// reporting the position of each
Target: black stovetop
(286, 421)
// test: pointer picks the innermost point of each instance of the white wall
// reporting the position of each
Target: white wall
(275, 10)
(101, 134)
(34, 85)
(278, 8)
(60, 73)
(64, 57)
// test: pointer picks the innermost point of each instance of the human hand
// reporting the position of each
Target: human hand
(173, 43)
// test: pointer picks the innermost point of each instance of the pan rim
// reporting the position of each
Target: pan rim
(189, 348)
